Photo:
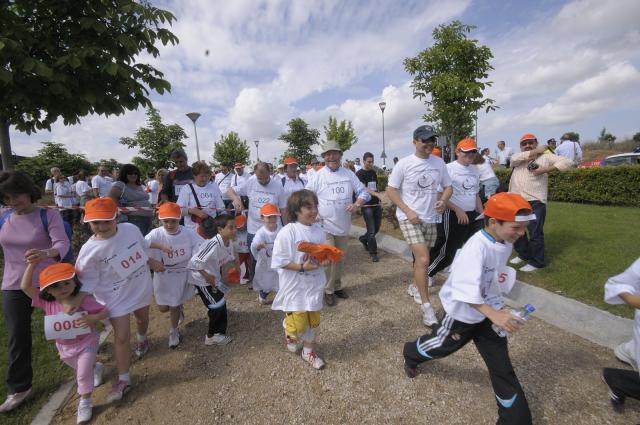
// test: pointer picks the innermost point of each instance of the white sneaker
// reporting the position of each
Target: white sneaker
(430, 281)
(181, 317)
(244, 281)
(217, 339)
(516, 260)
(313, 359)
(529, 268)
(624, 353)
(428, 315)
(85, 412)
(174, 338)
(15, 400)
(98, 371)
(293, 345)
(413, 291)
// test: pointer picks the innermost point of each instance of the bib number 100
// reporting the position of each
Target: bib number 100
(337, 190)
(132, 260)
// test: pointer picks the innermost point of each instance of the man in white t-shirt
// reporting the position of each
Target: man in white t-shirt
(101, 183)
(335, 187)
(413, 188)
(357, 165)
(224, 180)
(49, 185)
(569, 148)
(503, 155)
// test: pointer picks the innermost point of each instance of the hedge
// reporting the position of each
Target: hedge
(597, 185)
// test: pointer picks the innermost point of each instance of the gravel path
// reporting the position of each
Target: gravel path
(255, 380)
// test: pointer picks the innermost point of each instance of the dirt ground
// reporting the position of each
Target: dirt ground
(254, 380)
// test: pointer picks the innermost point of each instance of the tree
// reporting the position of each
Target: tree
(155, 142)
(109, 164)
(69, 59)
(636, 137)
(230, 149)
(51, 155)
(301, 140)
(606, 138)
(342, 133)
(450, 77)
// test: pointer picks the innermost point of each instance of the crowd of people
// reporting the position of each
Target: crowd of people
(282, 231)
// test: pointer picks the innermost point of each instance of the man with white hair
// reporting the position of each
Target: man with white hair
(335, 187)
(569, 148)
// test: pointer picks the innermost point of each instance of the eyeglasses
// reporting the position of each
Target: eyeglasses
(59, 284)
(528, 142)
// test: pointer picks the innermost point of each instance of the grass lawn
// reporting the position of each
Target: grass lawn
(48, 372)
(584, 245)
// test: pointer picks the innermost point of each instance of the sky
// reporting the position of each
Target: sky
(558, 66)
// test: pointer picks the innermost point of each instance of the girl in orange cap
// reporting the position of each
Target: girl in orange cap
(173, 245)
(75, 335)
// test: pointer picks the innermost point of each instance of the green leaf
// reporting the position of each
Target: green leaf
(74, 62)
(112, 69)
(1, 45)
(42, 70)
(6, 76)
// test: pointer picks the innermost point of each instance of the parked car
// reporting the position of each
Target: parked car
(621, 159)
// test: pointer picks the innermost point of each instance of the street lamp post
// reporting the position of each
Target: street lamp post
(383, 105)
(193, 116)
(257, 142)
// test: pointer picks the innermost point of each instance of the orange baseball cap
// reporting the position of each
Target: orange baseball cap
(467, 145)
(290, 160)
(169, 210)
(56, 273)
(100, 209)
(437, 152)
(269, 209)
(528, 136)
(504, 206)
(240, 220)
(238, 165)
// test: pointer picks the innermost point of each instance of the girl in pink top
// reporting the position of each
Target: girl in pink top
(59, 292)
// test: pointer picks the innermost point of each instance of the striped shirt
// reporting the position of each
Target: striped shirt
(530, 186)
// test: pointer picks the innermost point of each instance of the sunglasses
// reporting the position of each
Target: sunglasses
(473, 152)
(528, 142)
(59, 284)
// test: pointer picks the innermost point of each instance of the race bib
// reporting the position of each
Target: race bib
(373, 186)
(338, 191)
(506, 278)
(64, 326)
(177, 255)
(129, 261)
(177, 188)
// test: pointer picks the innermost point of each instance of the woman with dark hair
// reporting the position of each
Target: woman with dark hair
(27, 233)
(128, 191)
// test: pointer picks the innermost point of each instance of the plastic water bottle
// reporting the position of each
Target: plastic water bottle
(523, 313)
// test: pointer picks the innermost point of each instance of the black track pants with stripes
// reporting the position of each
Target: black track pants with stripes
(451, 237)
(451, 335)
(217, 309)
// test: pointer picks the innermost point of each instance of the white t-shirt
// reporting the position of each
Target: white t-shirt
(629, 282)
(474, 278)
(82, 187)
(239, 180)
(211, 256)
(503, 155)
(418, 180)
(486, 171)
(64, 193)
(115, 270)
(153, 189)
(292, 185)
(265, 278)
(310, 173)
(209, 197)
(335, 190)
(241, 242)
(171, 286)
(571, 150)
(224, 182)
(103, 184)
(297, 291)
(272, 193)
(466, 185)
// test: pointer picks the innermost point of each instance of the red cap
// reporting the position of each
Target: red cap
(528, 136)
(56, 273)
(240, 221)
(169, 210)
(100, 209)
(504, 206)
(466, 145)
(436, 151)
(290, 160)
(269, 209)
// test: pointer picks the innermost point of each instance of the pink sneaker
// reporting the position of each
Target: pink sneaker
(118, 391)
(142, 348)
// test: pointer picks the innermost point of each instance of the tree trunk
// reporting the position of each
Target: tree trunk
(5, 146)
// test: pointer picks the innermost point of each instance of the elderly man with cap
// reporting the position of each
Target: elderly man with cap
(224, 180)
(335, 187)
(291, 182)
(413, 188)
(530, 179)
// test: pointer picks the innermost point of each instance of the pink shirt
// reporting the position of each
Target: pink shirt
(88, 304)
(22, 232)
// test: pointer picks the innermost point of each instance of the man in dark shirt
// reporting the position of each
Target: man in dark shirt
(372, 210)
(176, 179)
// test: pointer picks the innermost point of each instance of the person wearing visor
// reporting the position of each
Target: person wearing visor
(530, 179)
(291, 182)
(413, 188)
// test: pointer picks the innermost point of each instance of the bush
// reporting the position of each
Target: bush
(598, 185)
(383, 180)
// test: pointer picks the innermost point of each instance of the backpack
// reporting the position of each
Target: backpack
(68, 257)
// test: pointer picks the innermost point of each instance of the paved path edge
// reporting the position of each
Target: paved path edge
(593, 324)
(51, 407)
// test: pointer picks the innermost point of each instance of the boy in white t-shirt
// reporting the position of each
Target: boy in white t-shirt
(174, 245)
(413, 188)
(625, 288)
(213, 268)
(472, 302)
(266, 279)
